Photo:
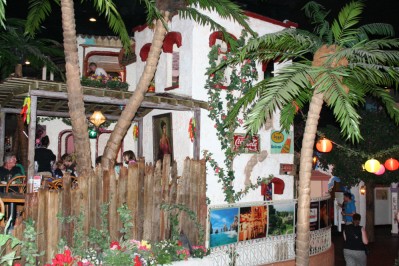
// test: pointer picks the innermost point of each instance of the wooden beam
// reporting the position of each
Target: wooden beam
(42, 103)
(197, 139)
(140, 139)
(58, 106)
(7, 99)
(50, 113)
(2, 135)
(32, 136)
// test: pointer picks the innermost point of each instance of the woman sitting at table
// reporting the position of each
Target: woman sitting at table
(9, 169)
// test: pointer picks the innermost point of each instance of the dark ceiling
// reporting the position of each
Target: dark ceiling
(134, 13)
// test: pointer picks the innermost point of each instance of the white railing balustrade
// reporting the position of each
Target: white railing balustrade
(255, 252)
(320, 241)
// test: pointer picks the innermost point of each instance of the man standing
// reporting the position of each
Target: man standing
(349, 208)
(98, 71)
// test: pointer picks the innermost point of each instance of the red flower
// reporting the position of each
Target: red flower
(179, 243)
(224, 57)
(217, 170)
(115, 245)
(80, 263)
(243, 80)
(223, 117)
(137, 261)
(61, 259)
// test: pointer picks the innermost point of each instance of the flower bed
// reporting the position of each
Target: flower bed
(132, 252)
(101, 81)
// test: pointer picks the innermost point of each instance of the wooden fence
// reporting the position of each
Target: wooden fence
(143, 187)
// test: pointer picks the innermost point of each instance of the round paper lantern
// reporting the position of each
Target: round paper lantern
(392, 164)
(324, 145)
(381, 170)
(372, 166)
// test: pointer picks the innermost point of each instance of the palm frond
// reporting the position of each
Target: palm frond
(288, 111)
(3, 12)
(114, 19)
(286, 44)
(202, 19)
(374, 74)
(348, 17)
(39, 10)
(226, 9)
(341, 102)
(317, 15)
(382, 29)
(279, 91)
(389, 102)
(153, 13)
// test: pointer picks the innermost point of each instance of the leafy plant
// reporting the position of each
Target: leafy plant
(29, 248)
(101, 237)
(126, 219)
(8, 258)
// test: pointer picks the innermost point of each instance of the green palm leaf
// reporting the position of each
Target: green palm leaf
(348, 17)
(39, 10)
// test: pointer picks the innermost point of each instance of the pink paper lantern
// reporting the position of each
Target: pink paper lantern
(381, 170)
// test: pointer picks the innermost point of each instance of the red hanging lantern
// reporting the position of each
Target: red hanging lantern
(324, 145)
(391, 164)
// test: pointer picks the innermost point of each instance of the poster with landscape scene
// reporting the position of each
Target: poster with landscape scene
(223, 227)
(281, 219)
(253, 223)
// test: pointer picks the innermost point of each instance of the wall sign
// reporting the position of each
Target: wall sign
(252, 146)
(282, 142)
(286, 169)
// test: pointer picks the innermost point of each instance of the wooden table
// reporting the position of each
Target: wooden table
(12, 197)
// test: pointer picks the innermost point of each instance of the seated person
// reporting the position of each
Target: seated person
(98, 71)
(9, 169)
(58, 169)
(70, 166)
(128, 157)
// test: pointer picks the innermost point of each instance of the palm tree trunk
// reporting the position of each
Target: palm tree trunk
(125, 120)
(75, 93)
(18, 71)
(370, 185)
(305, 172)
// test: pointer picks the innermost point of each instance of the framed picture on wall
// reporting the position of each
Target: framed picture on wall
(162, 136)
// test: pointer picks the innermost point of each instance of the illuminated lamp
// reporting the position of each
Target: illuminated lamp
(363, 190)
(92, 133)
(97, 118)
(324, 145)
(372, 166)
(391, 164)
(381, 170)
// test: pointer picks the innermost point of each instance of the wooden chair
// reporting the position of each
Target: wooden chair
(3, 211)
(55, 185)
(16, 185)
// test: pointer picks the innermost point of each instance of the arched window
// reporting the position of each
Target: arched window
(172, 43)
(109, 61)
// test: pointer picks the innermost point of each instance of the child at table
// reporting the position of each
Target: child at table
(58, 169)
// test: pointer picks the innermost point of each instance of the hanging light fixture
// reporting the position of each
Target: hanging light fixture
(97, 118)
(392, 164)
(381, 170)
(93, 133)
(372, 166)
(363, 190)
(324, 145)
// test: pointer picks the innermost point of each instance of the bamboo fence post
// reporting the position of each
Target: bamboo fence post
(132, 195)
(140, 217)
(173, 185)
(122, 190)
(31, 206)
(156, 203)
(203, 208)
(183, 195)
(113, 214)
(99, 200)
(148, 201)
(165, 196)
(92, 201)
(52, 223)
(42, 224)
(194, 177)
(67, 207)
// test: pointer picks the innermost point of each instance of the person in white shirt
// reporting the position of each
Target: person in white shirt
(97, 70)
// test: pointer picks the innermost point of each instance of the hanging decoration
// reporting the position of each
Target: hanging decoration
(324, 145)
(381, 170)
(192, 129)
(135, 132)
(372, 166)
(392, 164)
(93, 133)
(26, 110)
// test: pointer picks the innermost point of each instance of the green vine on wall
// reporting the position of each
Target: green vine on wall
(221, 100)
